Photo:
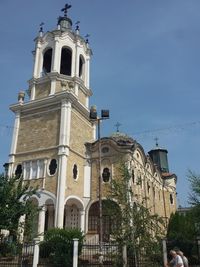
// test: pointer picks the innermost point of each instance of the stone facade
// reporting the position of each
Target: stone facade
(53, 144)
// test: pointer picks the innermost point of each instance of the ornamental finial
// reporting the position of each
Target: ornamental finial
(65, 9)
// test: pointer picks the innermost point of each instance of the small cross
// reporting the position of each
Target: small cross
(65, 9)
(117, 125)
(41, 26)
(156, 139)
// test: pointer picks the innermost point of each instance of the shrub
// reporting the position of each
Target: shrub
(57, 247)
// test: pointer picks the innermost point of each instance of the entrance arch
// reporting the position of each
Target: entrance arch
(110, 210)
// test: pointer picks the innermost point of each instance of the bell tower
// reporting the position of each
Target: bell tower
(52, 127)
(61, 62)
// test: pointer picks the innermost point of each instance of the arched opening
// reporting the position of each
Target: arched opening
(110, 218)
(47, 59)
(18, 171)
(31, 222)
(72, 213)
(81, 67)
(66, 61)
(72, 218)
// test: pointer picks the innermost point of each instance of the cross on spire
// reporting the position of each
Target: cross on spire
(117, 125)
(156, 140)
(65, 9)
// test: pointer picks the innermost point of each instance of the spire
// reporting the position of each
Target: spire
(65, 23)
(77, 27)
(41, 29)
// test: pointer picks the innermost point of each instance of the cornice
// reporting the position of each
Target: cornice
(51, 100)
(60, 77)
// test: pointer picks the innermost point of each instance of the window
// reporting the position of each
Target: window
(133, 176)
(27, 170)
(47, 61)
(34, 169)
(106, 175)
(52, 167)
(148, 187)
(81, 67)
(40, 168)
(66, 61)
(75, 172)
(18, 171)
(171, 199)
(105, 149)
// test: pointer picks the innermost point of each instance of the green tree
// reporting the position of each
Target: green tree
(181, 233)
(14, 202)
(194, 196)
(57, 247)
(137, 228)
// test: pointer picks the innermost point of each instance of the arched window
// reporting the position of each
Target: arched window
(111, 216)
(52, 167)
(18, 171)
(75, 172)
(47, 61)
(106, 175)
(81, 67)
(171, 199)
(66, 61)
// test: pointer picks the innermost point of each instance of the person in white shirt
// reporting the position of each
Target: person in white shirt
(185, 260)
(176, 260)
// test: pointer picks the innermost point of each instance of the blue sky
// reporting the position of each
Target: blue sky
(145, 69)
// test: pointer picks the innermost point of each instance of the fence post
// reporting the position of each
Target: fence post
(75, 252)
(124, 253)
(164, 251)
(36, 252)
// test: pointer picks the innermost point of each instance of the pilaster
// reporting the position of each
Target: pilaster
(14, 143)
(63, 152)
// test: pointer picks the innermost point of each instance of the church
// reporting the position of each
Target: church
(54, 143)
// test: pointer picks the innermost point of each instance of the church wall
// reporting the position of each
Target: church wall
(81, 131)
(42, 90)
(38, 132)
(81, 97)
(75, 186)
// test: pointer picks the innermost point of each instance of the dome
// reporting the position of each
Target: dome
(122, 138)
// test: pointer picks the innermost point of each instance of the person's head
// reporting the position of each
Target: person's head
(179, 252)
(173, 253)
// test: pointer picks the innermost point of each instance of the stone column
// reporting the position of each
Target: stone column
(56, 56)
(87, 73)
(36, 63)
(21, 228)
(82, 220)
(75, 253)
(41, 222)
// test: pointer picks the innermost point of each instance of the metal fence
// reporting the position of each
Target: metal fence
(112, 254)
(108, 254)
(16, 255)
